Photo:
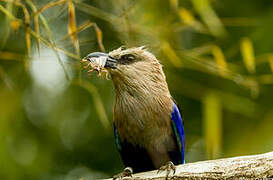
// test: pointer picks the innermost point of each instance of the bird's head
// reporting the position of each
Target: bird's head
(132, 68)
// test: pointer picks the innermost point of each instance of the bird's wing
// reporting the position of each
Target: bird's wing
(117, 138)
(178, 128)
(138, 158)
(133, 156)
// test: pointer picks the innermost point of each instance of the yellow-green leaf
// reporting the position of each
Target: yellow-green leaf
(212, 114)
(219, 59)
(248, 54)
(210, 18)
(170, 53)
(72, 27)
(186, 16)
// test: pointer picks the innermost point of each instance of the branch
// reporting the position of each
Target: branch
(242, 167)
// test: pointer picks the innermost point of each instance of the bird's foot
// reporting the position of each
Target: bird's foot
(168, 167)
(127, 172)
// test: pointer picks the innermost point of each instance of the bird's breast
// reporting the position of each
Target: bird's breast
(143, 119)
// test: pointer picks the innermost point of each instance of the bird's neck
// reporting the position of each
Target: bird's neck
(141, 105)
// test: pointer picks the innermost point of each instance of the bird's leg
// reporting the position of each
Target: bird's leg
(168, 167)
(127, 172)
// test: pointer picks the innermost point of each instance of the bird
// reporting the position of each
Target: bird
(147, 123)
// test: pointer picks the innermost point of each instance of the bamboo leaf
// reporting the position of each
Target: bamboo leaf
(27, 34)
(7, 13)
(37, 30)
(28, 40)
(26, 21)
(36, 22)
(248, 54)
(86, 25)
(212, 113)
(6, 27)
(186, 16)
(72, 27)
(209, 17)
(49, 5)
(220, 60)
(171, 54)
(80, 28)
(99, 37)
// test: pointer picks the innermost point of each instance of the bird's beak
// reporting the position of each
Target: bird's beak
(109, 61)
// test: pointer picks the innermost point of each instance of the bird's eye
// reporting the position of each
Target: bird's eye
(127, 59)
(123, 47)
(130, 57)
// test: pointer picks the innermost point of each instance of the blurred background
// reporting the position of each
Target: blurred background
(56, 120)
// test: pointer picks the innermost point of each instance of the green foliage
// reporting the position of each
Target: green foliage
(55, 120)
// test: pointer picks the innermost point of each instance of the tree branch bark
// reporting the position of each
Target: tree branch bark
(242, 167)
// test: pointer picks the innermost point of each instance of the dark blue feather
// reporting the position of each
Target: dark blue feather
(133, 155)
(178, 128)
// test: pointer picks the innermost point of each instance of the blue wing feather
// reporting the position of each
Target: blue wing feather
(178, 127)
(117, 138)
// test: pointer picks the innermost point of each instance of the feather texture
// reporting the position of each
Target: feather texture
(138, 157)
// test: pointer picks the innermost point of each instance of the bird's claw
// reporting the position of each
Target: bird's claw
(127, 172)
(168, 167)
